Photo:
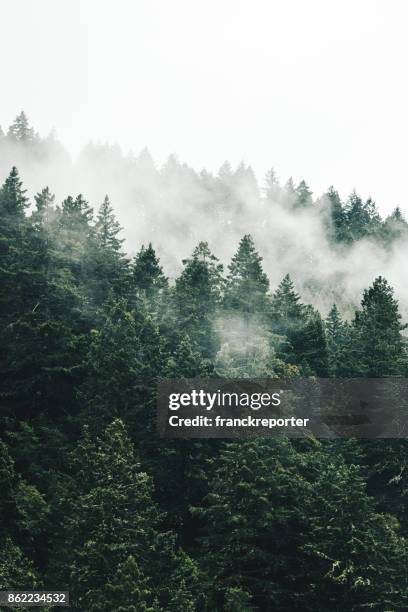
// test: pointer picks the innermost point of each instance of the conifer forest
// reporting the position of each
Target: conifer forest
(115, 274)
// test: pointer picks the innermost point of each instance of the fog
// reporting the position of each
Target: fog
(175, 207)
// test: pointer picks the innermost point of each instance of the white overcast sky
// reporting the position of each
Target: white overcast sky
(315, 88)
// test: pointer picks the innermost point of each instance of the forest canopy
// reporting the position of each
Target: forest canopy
(91, 500)
(332, 246)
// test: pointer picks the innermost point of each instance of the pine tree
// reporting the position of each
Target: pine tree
(237, 600)
(289, 193)
(355, 557)
(252, 522)
(45, 214)
(301, 340)
(337, 217)
(297, 530)
(394, 227)
(338, 341)
(105, 268)
(356, 217)
(20, 129)
(8, 484)
(245, 189)
(128, 591)
(148, 274)
(74, 229)
(286, 306)
(13, 204)
(73, 236)
(38, 312)
(107, 227)
(13, 201)
(378, 341)
(23, 511)
(110, 519)
(122, 369)
(303, 196)
(287, 320)
(362, 217)
(247, 284)
(185, 362)
(272, 189)
(314, 344)
(17, 287)
(16, 571)
(197, 294)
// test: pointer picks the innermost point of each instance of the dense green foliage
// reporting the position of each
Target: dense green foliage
(93, 502)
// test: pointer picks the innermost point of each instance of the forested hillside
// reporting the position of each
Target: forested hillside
(93, 502)
(332, 246)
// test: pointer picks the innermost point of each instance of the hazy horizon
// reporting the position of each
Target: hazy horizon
(314, 90)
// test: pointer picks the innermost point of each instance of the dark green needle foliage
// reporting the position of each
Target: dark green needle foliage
(197, 294)
(338, 340)
(112, 530)
(148, 274)
(379, 343)
(92, 500)
(105, 269)
(247, 285)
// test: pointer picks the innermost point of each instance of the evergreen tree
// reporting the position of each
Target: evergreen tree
(197, 294)
(394, 227)
(353, 554)
(148, 274)
(287, 320)
(8, 484)
(185, 362)
(73, 236)
(337, 335)
(20, 129)
(105, 268)
(299, 329)
(16, 571)
(84, 338)
(123, 366)
(23, 513)
(297, 530)
(286, 306)
(247, 284)
(73, 231)
(13, 204)
(337, 217)
(107, 227)
(237, 600)
(44, 214)
(314, 345)
(252, 523)
(13, 201)
(245, 189)
(40, 323)
(289, 193)
(362, 217)
(378, 341)
(303, 196)
(272, 190)
(110, 519)
(129, 591)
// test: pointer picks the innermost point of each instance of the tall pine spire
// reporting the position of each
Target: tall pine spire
(247, 284)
